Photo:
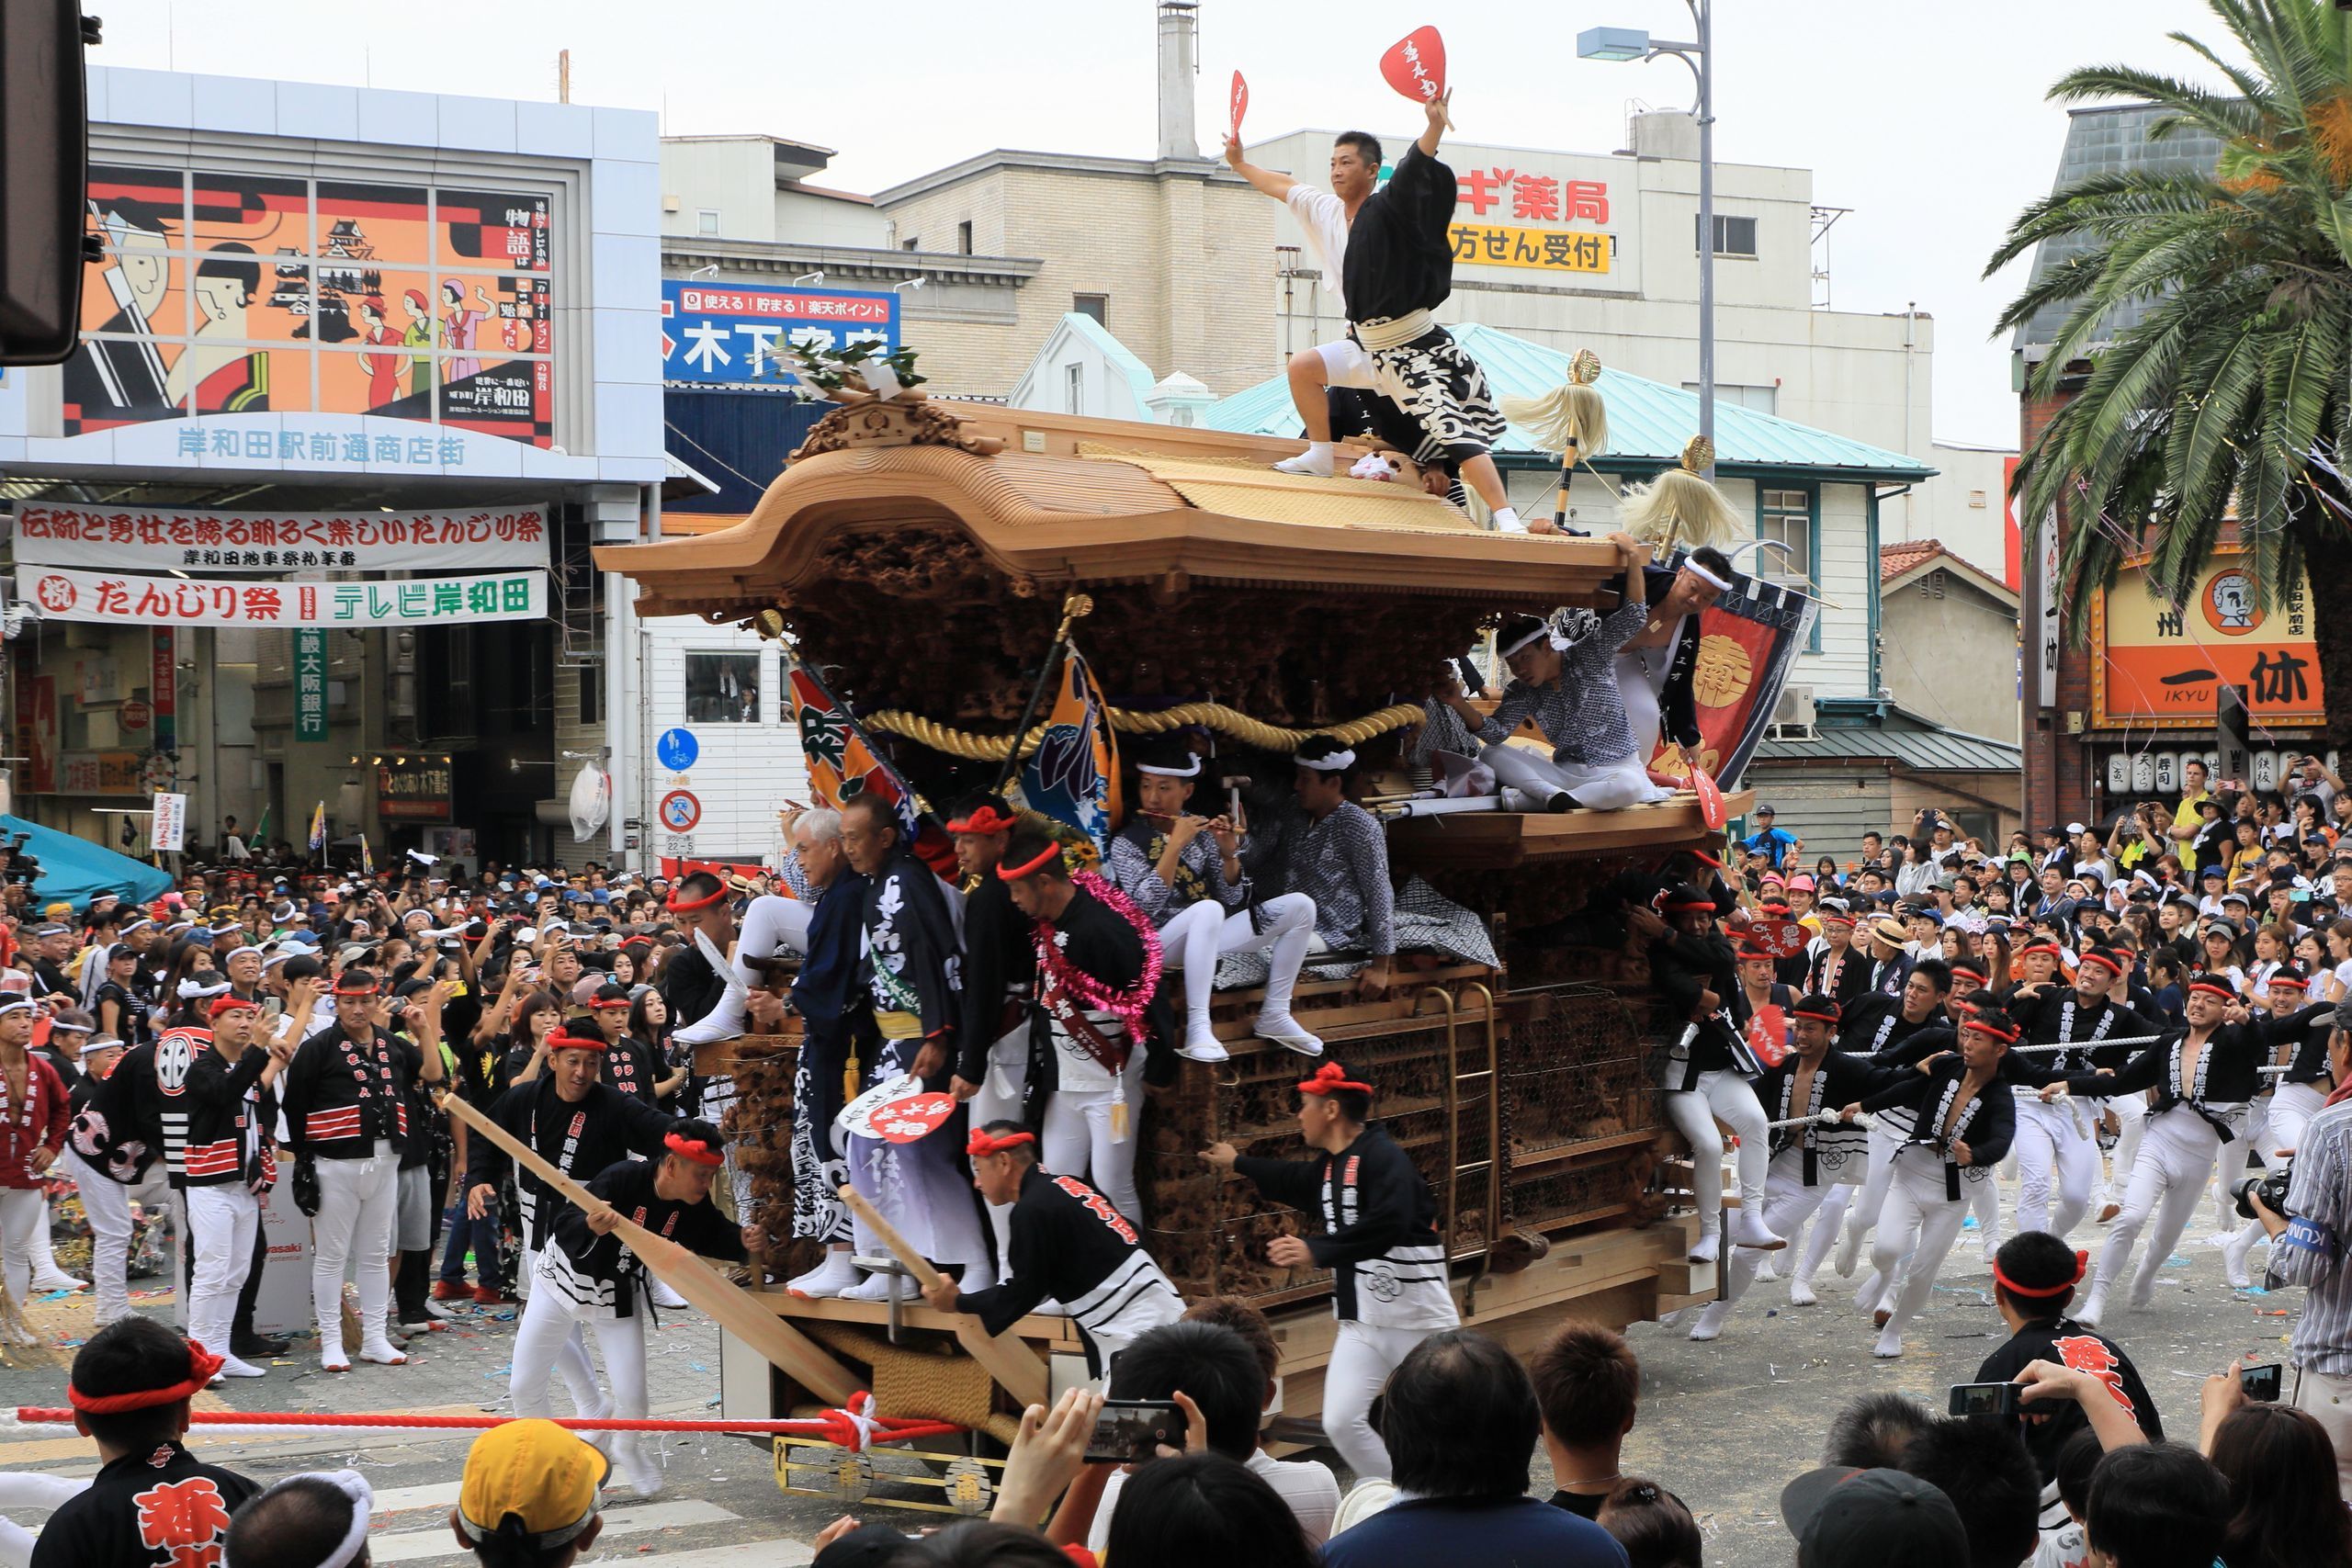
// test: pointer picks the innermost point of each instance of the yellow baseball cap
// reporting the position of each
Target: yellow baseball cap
(541, 1474)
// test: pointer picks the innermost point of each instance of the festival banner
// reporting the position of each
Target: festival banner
(1749, 639)
(319, 827)
(842, 762)
(65, 593)
(310, 684)
(148, 538)
(2159, 665)
(1073, 777)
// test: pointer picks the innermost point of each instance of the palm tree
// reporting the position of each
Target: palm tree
(2230, 399)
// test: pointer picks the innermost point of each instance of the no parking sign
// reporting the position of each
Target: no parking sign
(679, 811)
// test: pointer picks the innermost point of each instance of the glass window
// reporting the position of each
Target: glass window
(1074, 388)
(706, 221)
(1095, 305)
(1785, 516)
(1733, 236)
(722, 688)
(964, 238)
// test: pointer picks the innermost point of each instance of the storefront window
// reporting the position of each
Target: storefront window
(722, 688)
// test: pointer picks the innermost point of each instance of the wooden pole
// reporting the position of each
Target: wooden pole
(728, 1305)
(1013, 1365)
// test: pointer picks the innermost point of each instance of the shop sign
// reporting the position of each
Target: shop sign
(2156, 665)
(64, 593)
(164, 683)
(1545, 250)
(101, 772)
(310, 684)
(723, 335)
(174, 540)
(414, 791)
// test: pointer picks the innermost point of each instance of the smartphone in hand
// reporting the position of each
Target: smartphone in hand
(2261, 1383)
(1129, 1430)
(1985, 1399)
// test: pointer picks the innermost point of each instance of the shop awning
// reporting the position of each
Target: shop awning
(74, 871)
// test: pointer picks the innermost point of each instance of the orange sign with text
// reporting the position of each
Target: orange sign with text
(2159, 665)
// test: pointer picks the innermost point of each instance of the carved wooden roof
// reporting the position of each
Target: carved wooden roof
(1055, 501)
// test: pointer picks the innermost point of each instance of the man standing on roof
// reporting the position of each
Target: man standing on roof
(1393, 253)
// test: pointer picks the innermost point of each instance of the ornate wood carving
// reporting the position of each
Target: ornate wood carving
(906, 421)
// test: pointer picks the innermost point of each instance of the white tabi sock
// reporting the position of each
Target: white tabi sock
(1507, 520)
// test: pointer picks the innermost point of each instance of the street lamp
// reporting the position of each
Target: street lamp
(1622, 44)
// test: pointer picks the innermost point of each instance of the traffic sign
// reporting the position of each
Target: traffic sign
(677, 749)
(680, 810)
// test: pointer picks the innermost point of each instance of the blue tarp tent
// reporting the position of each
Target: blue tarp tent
(77, 870)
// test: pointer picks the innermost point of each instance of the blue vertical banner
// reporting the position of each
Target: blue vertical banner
(721, 334)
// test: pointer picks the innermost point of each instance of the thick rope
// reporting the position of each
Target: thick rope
(1215, 716)
(852, 1430)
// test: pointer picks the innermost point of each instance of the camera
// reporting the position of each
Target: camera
(2271, 1185)
(1984, 1398)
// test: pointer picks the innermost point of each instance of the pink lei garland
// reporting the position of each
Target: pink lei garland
(1084, 989)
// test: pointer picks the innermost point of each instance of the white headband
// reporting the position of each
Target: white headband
(241, 952)
(99, 1043)
(1337, 762)
(358, 1493)
(1191, 772)
(14, 1003)
(1719, 583)
(1540, 629)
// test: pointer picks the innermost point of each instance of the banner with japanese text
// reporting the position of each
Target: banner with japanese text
(63, 593)
(310, 684)
(2160, 666)
(151, 539)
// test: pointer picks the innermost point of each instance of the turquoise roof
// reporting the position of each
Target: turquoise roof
(1648, 421)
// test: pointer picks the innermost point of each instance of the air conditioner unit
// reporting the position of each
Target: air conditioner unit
(1793, 714)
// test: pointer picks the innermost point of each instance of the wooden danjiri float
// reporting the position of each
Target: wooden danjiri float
(919, 553)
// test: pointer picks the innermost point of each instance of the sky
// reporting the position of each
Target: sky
(1929, 121)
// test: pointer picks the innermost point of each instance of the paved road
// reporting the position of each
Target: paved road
(1722, 1424)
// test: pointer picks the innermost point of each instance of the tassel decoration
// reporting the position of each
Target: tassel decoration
(1681, 509)
(1572, 421)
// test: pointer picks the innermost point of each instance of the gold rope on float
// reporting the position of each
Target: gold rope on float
(1215, 716)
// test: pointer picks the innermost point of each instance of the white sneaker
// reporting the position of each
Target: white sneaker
(382, 1351)
(2093, 1311)
(1285, 1032)
(1889, 1345)
(724, 1021)
(875, 1287)
(1749, 1230)
(1201, 1045)
(332, 1357)
(831, 1277)
(59, 1281)
(1710, 1248)
(1315, 461)
(437, 1312)
(1711, 1322)
(664, 1297)
(231, 1367)
(2234, 1254)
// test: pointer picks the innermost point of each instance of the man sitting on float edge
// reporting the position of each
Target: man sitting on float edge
(1565, 678)
(1185, 872)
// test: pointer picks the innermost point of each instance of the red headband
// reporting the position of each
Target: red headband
(2006, 1036)
(1829, 1017)
(2292, 982)
(611, 1002)
(232, 1004)
(342, 990)
(559, 1040)
(691, 904)
(1687, 905)
(981, 1142)
(986, 820)
(1968, 967)
(1832, 918)
(2213, 987)
(1331, 1076)
(2105, 961)
(202, 1366)
(2082, 1262)
(1703, 858)
(2052, 948)
(693, 1149)
(1747, 955)
(1015, 873)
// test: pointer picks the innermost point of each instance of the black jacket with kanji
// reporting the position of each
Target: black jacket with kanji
(343, 1095)
(600, 1273)
(229, 1114)
(579, 1138)
(161, 1509)
(1379, 1235)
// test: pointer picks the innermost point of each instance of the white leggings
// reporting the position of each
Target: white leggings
(1362, 1359)
(999, 1099)
(221, 1225)
(771, 922)
(546, 1337)
(1607, 789)
(1919, 1221)
(1722, 1095)
(2175, 1158)
(1078, 1139)
(1824, 1235)
(1202, 932)
(23, 1209)
(1788, 1204)
(572, 1362)
(2131, 1121)
(2057, 1158)
(107, 1204)
(1886, 1141)
(356, 1198)
(26, 1489)
(2292, 1110)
